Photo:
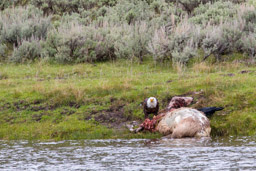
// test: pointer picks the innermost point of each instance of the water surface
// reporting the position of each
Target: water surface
(230, 153)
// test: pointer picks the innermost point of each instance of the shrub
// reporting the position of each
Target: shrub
(223, 39)
(190, 5)
(27, 51)
(248, 44)
(248, 14)
(73, 42)
(61, 7)
(184, 41)
(214, 13)
(3, 49)
(168, 15)
(9, 3)
(159, 45)
(5, 4)
(158, 12)
(65, 43)
(22, 24)
(132, 41)
(130, 12)
(252, 2)
(180, 43)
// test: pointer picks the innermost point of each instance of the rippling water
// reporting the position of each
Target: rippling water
(230, 153)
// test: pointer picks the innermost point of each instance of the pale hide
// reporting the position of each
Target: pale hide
(184, 122)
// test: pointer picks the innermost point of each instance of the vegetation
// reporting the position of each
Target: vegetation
(72, 31)
(79, 69)
(84, 101)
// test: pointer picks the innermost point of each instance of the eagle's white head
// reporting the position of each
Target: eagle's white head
(151, 102)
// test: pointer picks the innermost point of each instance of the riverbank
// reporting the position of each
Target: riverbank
(95, 101)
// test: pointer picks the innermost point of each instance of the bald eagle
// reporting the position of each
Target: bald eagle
(150, 105)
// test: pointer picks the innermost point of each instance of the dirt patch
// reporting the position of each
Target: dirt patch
(169, 81)
(33, 106)
(5, 106)
(114, 117)
(67, 112)
(20, 105)
(41, 107)
(246, 71)
(228, 75)
(36, 105)
(37, 117)
(9, 119)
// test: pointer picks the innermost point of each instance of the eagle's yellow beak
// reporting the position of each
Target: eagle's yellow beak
(151, 100)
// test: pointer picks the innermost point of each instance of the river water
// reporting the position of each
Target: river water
(229, 153)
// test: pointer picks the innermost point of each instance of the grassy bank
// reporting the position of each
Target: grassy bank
(91, 101)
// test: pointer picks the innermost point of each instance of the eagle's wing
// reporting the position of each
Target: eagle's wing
(157, 107)
(145, 108)
(145, 102)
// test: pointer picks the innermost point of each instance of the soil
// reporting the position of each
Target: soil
(228, 75)
(246, 71)
(38, 106)
(114, 117)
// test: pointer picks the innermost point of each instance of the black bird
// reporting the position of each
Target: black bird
(209, 111)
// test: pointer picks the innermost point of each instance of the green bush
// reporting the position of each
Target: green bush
(70, 6)
(184, 42)
(27, 51)
(65, 44)
(158, 46)
(22, 24)
(252, 2)
(248, 44)
(190, 5)
(248, 14)
(73, 42)
(9, 3)
(130, 12)
(223, 39)
(132, 41)
(214, 13)
(3, 49)
(179, 44)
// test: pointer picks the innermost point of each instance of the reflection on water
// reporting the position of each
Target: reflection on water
(230, 153)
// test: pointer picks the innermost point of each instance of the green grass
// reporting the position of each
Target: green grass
(82, 101)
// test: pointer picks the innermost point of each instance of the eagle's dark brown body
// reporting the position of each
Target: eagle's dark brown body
(147, 110)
